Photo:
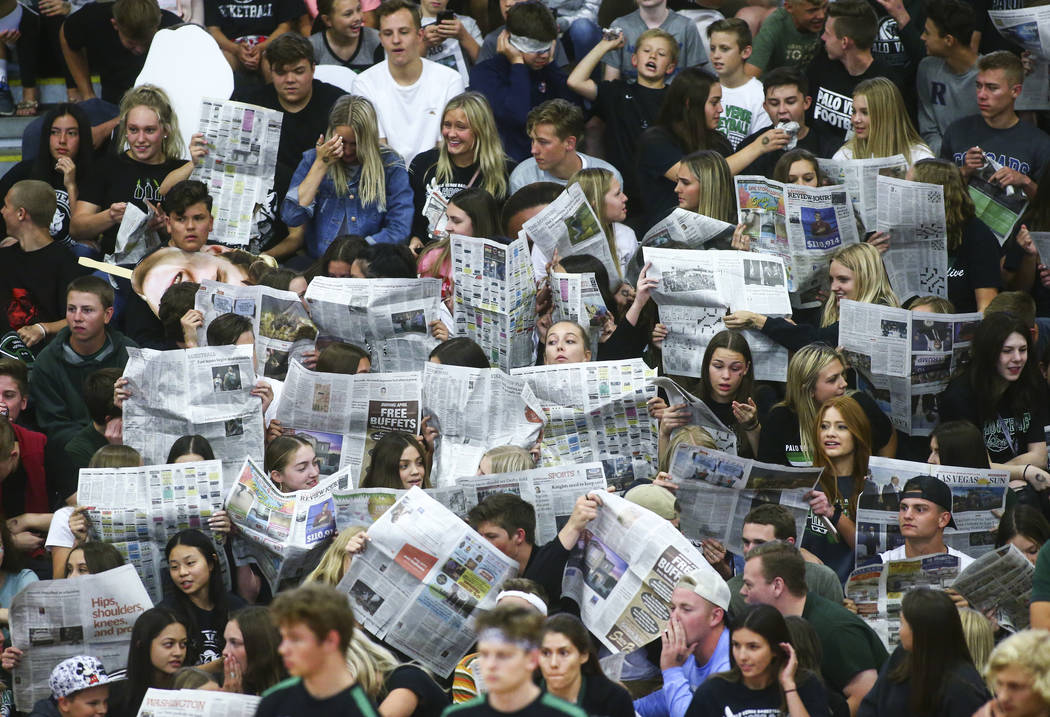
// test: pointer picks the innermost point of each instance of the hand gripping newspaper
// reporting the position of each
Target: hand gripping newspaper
(597, 411)
(473, 410)
(1041, 240)
(206, 391)
(696, 290)
(623, 570)
(725, 437)
(345, 415)
(802, 225)
(495, 295)
(577, 298)
(861, 179)
(913, 214)
(421, 579)
(239, 167)
(682, 226)
(1000, 580)
(390, 318)
(363, 506)
(134, 237)
(904, 359)
(1029, 27)
(200, 703)
(138, 509)
(717, 490)
(999, 207)
(282, 326)
(52, 620)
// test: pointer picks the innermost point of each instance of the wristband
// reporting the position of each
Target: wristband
(41, 326)
(793, 689)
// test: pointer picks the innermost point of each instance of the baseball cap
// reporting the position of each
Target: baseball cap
(77, 673)
(655, 498)
(930, 488)
(707, 584)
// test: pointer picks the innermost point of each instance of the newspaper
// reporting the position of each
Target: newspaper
(1035, 91)
(389, 317)
(717, 490)
(495, 298)
(138, 509)
(282, 326)
(199, 703)
(52, 620)
(345, 415)
(682, 226)
(577, 298)
(202, 390)
(913, 214)
(999, 580)
(802, 225)
(623, 570)
(474, 410)
(570, 226)
(978, 499)
(1000, 208)
(698, 288)
(904, 359)
(597, 411)
(1028, 27)
(1042, 245)
(239, 166)
(725, 437)
(861, 177)
(134, 237)
(421, 580)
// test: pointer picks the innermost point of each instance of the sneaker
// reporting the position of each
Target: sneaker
(7, 101)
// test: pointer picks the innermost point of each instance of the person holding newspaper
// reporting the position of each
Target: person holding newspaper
(291, 463)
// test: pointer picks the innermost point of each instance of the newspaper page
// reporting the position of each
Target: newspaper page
(282, 326)
(913, 214)
(52, 620)
(725, 437)
(1042, 245)
(422, 578)
(623, 570)
(999, 207)
(1028, 27)
(978, 498)
(134, 237)
(200, 703)
(682, 226)
(239, 166)
(802, 225)
(138, 509)
(345, 415)
(861, 179)
(495, 298)
(697, 288)
(570, 226)
(473, 410)
(1035, 91)
(999, 580)
(904, 359)
(204, 390)
(577, 298)
(390, 318)
(597, 411)
(717, 490)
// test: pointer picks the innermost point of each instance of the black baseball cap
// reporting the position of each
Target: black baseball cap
(930, 488)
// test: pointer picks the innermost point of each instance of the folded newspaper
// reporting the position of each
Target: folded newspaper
(999, 207)
(201, 703)
(570, 226)
(701, 415)
(861, 179)
(682, 226)
(999, 580)
(913, 215)
(134, 237)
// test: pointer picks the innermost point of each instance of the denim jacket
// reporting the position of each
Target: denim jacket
(330, 212)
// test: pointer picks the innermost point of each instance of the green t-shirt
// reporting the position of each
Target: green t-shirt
(1041, 577)
(780, 43)
(850, 646)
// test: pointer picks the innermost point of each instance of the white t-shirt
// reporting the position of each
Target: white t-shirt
(898, 554)
(528, 172)
(742, 111)
(410, 115)
(918, 151)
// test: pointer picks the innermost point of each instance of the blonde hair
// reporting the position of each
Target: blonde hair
(358, 114)
(802, 374)
(688, 436)
(980, 639)
(869, 276)
(488, 149)
(890, 130)
(958, 206)
(595, 183)
(712, 173)
(1028, 650)
(508, 459)
(370, 664)
(156, 99)
(111, 456)
(938, 304)
(330, 570)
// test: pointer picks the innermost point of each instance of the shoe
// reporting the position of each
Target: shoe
(7, 101)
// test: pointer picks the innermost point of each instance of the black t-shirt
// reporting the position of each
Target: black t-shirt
(601, 697)
(59, 229)
(432, 699)
(89, 28)
(827, 544)
(974, 265)
(820, 142)
(780, 441)
(208, 643)
(290, 699)
(421, 174)
(717, 697)
(962, 693)
(991, 40)
(832, 89)
(659, 150)
(546, 705)
(628, 110)
(33, 284)
(546, 566)
(245, 18)
(1005, 436)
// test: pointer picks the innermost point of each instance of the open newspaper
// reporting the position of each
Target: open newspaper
(421, 579)
(978, 499)
(905, 358)
(697, 288)
(682, 226)
(390, 318)
(345, 415)
(205, 390)
(623, 571)
(200, 703)
(999, 207)
(134, 237)
(474, 410)
(725, 437)
(138, 509)
(282, 326)
(1035, 90)
(577, 298)
(52, 620)
(597, 411)
(1028, 27)
(1042, 245)
(999, 580)
(717, 490)
(802, 225)
(913, 214)
(570, 226)
(239, 166)
(495, 297)
(861, 179)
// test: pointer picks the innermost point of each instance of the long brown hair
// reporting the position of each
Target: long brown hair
(860, 428)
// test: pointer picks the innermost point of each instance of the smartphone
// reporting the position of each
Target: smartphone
(446, 15)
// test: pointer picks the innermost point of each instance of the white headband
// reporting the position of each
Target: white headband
(531, 599)
(531, 45)
(494, 634)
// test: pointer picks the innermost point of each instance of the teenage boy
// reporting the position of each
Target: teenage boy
(187, 215)
(947, 74)
(79, 688)
(408, 92)
(316, 625)
(522, 75)
(742, 97)
(789, 36)
(653, 14)
(925, 511)
(490, 45)
(555, 127)
(32, 482)
(106, 423)
(628, 108)
(509, 654)
(996, 131)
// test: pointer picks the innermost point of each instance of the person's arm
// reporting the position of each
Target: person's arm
(225, 44)
(585, 510)
(770, 141)
(401, 702)
(77, 62)
(1039, 615)
(89, 220)
(858, 687)
(1022, 276)
(796, 708)
(281, 29)
(983, 297)
(290, 244)
(580, 80)
(509, 94)
(890, 449)
(397, 222)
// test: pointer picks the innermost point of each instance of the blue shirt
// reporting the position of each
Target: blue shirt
(680, 682)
